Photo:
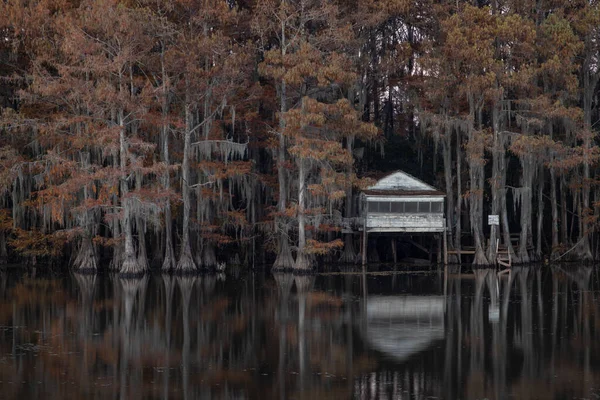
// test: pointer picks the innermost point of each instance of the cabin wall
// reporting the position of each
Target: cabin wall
(404, 221)
(423, 222)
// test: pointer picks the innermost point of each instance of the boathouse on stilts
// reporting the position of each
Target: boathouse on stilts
(401, 205)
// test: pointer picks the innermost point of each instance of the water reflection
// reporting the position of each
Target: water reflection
(528, 333)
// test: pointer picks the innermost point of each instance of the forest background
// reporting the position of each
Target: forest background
(185, 134)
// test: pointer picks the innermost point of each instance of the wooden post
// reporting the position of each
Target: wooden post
(445, 239)
(364, 245)
(439, 250)
(365, 233)
(446, 281)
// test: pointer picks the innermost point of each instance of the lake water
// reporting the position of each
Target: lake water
(530, 334)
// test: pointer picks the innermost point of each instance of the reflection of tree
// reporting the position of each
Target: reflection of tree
(295, 337)
(133, 292)
(303, 285)
(169, 288)
(186, 285)
(510, 357)
(87, 287)
(453, 322)
(284, 283)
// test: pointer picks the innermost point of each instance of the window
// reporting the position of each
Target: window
(436, 207)
(397, 207)
(384, 206)
(373, 206)
(379, 206)
(405, 207)
(411, 207)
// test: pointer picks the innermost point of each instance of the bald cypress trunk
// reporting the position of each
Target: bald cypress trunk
(141, 230)
(349, 254)
(554, 206)
(496, 182)
(130, 265)
(284, 258)
(504, 211)
(86, 260)
(540, 213)
(169, 257)
(186, 261)
(3, 249)
(564, 232)
(302, 259)
(524, 197)
(447, 158)
(458, 236)
(589, 86)
(476, 174)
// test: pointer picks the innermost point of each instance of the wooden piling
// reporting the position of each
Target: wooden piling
(364, 246)
(445, 239)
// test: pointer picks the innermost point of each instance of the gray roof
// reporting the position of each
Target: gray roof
(400, 183)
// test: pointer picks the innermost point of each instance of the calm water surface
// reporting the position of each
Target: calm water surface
(530, 334)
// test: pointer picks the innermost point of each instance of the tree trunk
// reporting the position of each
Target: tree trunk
(589, 86)
(284, 259)
(458, 235)
(169, 257)
(303, 261)
(496, 182)
(504, 210)
(209, 257)
(186, 261)
(540, 214)
(554, 205)
(141, 231)
(3, 249)
(447, 157)
(476, 174)
(575, 212)
(130, 265)
(525, 197)
(86, 260)
(349, 254)
(564, 232)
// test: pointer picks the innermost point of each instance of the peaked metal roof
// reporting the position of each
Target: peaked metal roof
(400, 183)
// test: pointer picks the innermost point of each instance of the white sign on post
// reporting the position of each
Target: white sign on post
(493, 220)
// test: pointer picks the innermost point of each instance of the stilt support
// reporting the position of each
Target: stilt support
(364, 246)
(445, 239)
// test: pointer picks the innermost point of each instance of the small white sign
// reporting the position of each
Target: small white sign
(493, 220)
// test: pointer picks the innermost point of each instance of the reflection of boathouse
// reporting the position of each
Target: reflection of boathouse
(400, 326)
(401, 203)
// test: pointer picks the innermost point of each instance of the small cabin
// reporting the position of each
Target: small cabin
(401, 203)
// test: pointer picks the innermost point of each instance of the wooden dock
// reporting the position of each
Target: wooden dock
(503, 257)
